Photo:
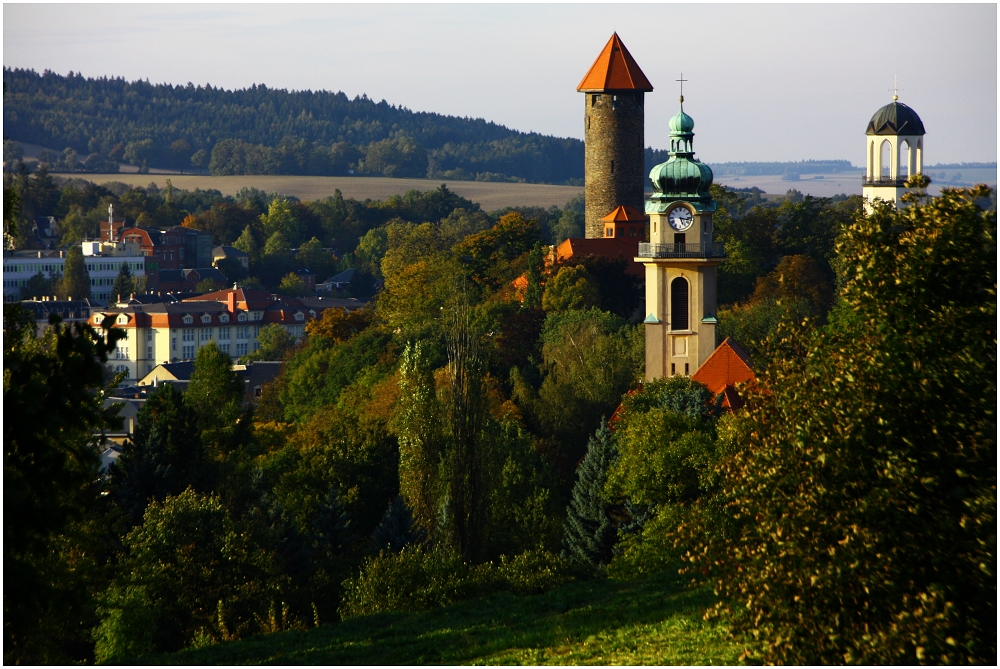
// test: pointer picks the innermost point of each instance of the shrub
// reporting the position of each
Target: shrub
(417, 579)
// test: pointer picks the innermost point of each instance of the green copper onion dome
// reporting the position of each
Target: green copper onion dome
(682, 177)
(681, 123)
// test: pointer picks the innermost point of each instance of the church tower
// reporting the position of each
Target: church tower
(680, 259)
(894, 149)
(614, 90)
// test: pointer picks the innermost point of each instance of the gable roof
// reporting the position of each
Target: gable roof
(615, 70)
(728, 365)
(625, 214)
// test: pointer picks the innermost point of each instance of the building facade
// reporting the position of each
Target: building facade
(614, 118)
(103, 264)
(232, 318)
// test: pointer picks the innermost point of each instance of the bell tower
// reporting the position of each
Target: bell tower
(614, 115)
(680, 259)
(894, 151)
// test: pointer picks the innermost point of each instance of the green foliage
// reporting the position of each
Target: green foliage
(39, 286)
(293, 285)
(124, 284)
(751, 324)
(215, 392)
(274, 342)
(53, 396)
(311, 256)
(75, 283)
(857, 517)
(619, 292)
(336, 451)
(418, 425)
(317, 374)
(164, 457)
(536, 268)
(188, 569)
(797, 278)
(272, 131)
(589, 533)
(493, 258)
(570, 288)
(416, 579)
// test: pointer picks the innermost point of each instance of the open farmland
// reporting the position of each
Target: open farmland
(489, 195)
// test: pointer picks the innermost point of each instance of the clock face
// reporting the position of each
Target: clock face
(680, 218)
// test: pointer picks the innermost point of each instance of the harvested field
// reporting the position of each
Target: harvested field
(490, 196)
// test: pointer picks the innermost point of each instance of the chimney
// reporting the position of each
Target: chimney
(62, 254)
(232, 301)
(39, 254)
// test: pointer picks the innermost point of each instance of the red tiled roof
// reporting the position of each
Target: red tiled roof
(615, 70)
(607, 247)
(728, 365)
(625, 214)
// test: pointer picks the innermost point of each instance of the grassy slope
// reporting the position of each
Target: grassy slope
(600, 622)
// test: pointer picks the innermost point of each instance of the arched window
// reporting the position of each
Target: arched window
(871, 159)
(886, 158)
(904, 160)
(679, 304)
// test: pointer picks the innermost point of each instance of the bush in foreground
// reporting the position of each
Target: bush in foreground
(418, 579)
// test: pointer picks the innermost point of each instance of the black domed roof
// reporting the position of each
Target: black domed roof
(895, 119)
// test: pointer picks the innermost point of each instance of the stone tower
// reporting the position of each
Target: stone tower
(894, 150)
(614, 90)
(680, 259)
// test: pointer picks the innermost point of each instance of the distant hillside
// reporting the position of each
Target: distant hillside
(657, 156)
(264, 131)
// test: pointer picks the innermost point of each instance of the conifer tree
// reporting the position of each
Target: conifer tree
(75, 284)
(589, 533)
(124, 283)
(396, 531)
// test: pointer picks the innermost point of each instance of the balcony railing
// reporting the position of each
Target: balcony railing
(899, 182)
(713, 250)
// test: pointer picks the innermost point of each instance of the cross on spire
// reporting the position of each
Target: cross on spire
(895, 88)
(682, 80)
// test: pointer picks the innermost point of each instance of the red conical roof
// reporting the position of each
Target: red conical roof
(615, 70)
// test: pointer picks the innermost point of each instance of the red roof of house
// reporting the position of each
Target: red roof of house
(728, 365)
(608, 247)
(625, 214)
(615, 70)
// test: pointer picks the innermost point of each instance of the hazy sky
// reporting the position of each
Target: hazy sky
(765, 82)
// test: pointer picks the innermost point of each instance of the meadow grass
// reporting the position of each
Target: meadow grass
(648, 622)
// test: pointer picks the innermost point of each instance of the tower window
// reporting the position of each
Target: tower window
(679, 304)
(594, 100)
(686, 367)
(673, 369)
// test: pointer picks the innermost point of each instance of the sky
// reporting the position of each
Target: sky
(774, 82)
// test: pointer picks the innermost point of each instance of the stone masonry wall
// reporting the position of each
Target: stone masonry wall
(614, 136)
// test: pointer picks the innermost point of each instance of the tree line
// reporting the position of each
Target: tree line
(270, 131)
(453, 439)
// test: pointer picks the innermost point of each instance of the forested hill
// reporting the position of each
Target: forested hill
(259, 130)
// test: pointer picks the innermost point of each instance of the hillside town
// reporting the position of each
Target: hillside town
(668, 423)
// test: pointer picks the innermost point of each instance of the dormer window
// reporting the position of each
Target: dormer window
(206, 318)
(224, 318)
(188, 319)
(299, 316)
(122, 319)
(312, 313)
(242, 317)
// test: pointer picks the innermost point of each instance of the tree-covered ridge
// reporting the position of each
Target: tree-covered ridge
(168, 125)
